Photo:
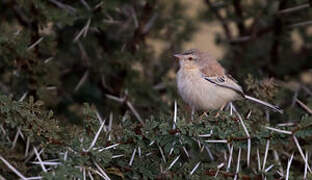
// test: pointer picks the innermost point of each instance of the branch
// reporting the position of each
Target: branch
(220, 18)
(239, 12)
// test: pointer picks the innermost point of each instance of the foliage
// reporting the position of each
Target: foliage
(84, 94)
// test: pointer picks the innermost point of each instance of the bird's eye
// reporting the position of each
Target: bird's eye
(190, 58)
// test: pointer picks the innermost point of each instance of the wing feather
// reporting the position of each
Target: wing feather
(226, 82)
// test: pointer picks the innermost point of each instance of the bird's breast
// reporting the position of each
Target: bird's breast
(202, 94)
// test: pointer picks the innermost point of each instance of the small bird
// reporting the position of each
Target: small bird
(204, 84)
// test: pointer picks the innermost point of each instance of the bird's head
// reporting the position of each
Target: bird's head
(189, 59)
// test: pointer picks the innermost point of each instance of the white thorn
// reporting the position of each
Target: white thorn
(279, 130)
(288, 166)
(305, 167)
(230, 159)
(301, 152)
(266, 154)
(175, 115)
(209, 152)
(194, 169)
(109, 147)
(132, 157)
(23, 97)
(96, 136)
(269, 168)
(259, 160)
(39, 159)
(216, 141)
(35, 44)
(238, 163)
(27, 146)
(12, 168)
(102, 171)
(117, 156)
(173, 162)
(162, 154)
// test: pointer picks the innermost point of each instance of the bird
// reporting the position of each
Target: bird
(205, 85)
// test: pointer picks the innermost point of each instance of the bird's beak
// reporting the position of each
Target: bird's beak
(178, 56)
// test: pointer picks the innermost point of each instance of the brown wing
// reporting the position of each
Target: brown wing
(226, 82)
(211, 67)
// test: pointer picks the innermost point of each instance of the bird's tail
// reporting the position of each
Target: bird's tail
(276, 108)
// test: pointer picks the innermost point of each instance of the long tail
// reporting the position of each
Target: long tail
(276, 108)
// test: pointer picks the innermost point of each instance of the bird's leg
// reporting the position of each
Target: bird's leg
(204, 114)
(192, 114)
(221, 109)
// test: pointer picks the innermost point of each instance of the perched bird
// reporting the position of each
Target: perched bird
(204, 84)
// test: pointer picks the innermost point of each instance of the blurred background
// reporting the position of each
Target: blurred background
(69, 52)
(116, 55)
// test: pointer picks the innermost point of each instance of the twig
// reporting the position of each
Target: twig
(185, 151)
(238, 163)
(269, 168)
(84, 173)
(48, 59)
(216, 141)
(230, 159)
(149, 24)
(171, 150)
(136, 114)
(305, 23)
(205, 135)
(83, 31)
(34, 178)
(39, 159)
(132, 157)
(35, 44)
(173, 162)
(266, 154)
(110, 123)
(221, 19)
(259, 160)
(305, 107)
(139, 151)
(122, 100)
(109, 147)
(15, 139)
(90, 175)
(102, 171)
(47, 163)
(305, 167)
(162, 154)
(209, 152)
(68, 8)
(96, 136)
(286, 124)
(218, 169)
(118, 156)
(301, 152)
(194, 169)
(277, 159)
(23, 97)
(288, 166)
(279, 130)
(27, 146)
(293, 9)
(82, 81)
(12, 168)
(246, 132)
(85, 4)
(175, 115)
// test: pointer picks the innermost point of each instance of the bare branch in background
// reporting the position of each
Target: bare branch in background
(66, 7)
(220, 18)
